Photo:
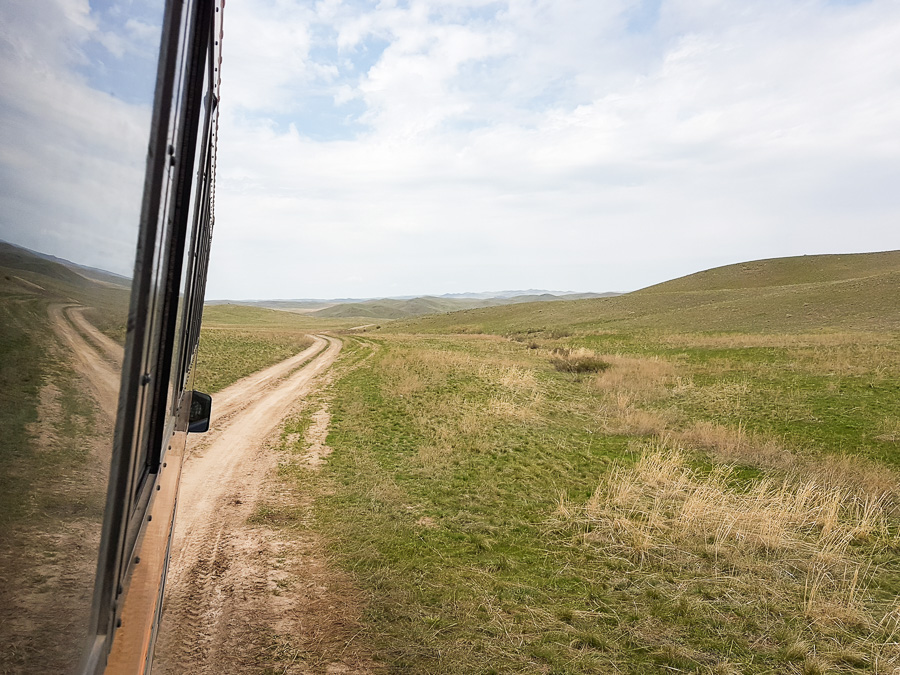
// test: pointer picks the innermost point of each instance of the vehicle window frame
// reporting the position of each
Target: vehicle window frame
(143, 423)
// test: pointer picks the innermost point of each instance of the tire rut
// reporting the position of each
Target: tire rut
(214, 558)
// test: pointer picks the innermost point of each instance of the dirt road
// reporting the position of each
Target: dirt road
(244, 392)
(108, 347)
(102, 369)
(219, 566)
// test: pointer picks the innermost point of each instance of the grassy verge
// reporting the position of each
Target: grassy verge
(502, 516)
(237, 340)
(259, 318)
(224, 356)
(21, 361)
(42, 460)
(818, 393)
(700, 477)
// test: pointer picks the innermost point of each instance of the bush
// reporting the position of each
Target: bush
(578, 361)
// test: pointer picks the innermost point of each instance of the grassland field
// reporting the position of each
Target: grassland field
(32, 361)
(52, 472)
(714, 491)
(236, 341)
(716, 495)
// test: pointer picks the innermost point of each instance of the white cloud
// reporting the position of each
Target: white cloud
(71, 157)
(473, 145)
(268, 59)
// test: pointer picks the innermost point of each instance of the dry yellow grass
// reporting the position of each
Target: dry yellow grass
(700, 567)
(840, 354)
(628, 384)
(890, 430)
(579, 361)
(736, 445)
(782, 340)
(779, 542)
(512, 377)
(636, 392)
(639, 377)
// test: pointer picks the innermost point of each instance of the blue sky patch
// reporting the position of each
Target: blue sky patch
(643, 16)
(122, 56)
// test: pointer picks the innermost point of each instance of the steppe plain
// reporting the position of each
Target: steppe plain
(701, 476)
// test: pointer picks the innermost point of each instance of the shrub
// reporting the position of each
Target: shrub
(578, 361)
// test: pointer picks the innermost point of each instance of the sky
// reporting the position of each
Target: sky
(76, 88)
(434, 146)
(392, 148)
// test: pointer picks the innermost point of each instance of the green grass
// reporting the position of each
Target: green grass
(260, 318)
(503, 516)
(389, 308)
(237, 340)
(810, 293)
(453, 496)
(53, 469)
(720, 496)
(792, 271)
(44, 483)
(458, 463)
(224, 356)
(21, 377)
(107, 305)
(833, 393)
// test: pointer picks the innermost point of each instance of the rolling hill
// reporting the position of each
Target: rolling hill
(407, 307)
(836, 292)
(26, 275)
(390, 308)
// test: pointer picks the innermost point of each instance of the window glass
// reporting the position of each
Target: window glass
(76, 91)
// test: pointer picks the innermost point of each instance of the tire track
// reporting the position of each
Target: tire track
(213, 559)
(112, 350)
(102, 377)
(238, 395)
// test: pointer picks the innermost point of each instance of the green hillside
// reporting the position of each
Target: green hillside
(837, 292)
(807, 269)
(21, 260)
(34, 277)
(637, 484)
(237, 316)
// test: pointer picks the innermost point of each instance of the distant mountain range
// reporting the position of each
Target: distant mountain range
(402, 307)
(405, 307)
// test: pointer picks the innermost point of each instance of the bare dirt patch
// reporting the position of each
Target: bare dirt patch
(315, 438)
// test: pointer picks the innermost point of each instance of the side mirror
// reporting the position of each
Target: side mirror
(201, 409)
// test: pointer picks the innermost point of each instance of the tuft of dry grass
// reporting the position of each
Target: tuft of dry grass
(889, 430)
(790, 542)
(633, 421)
(737, 445)
(640, 378)
(579, 360)
(627, 384)
(514, 377)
